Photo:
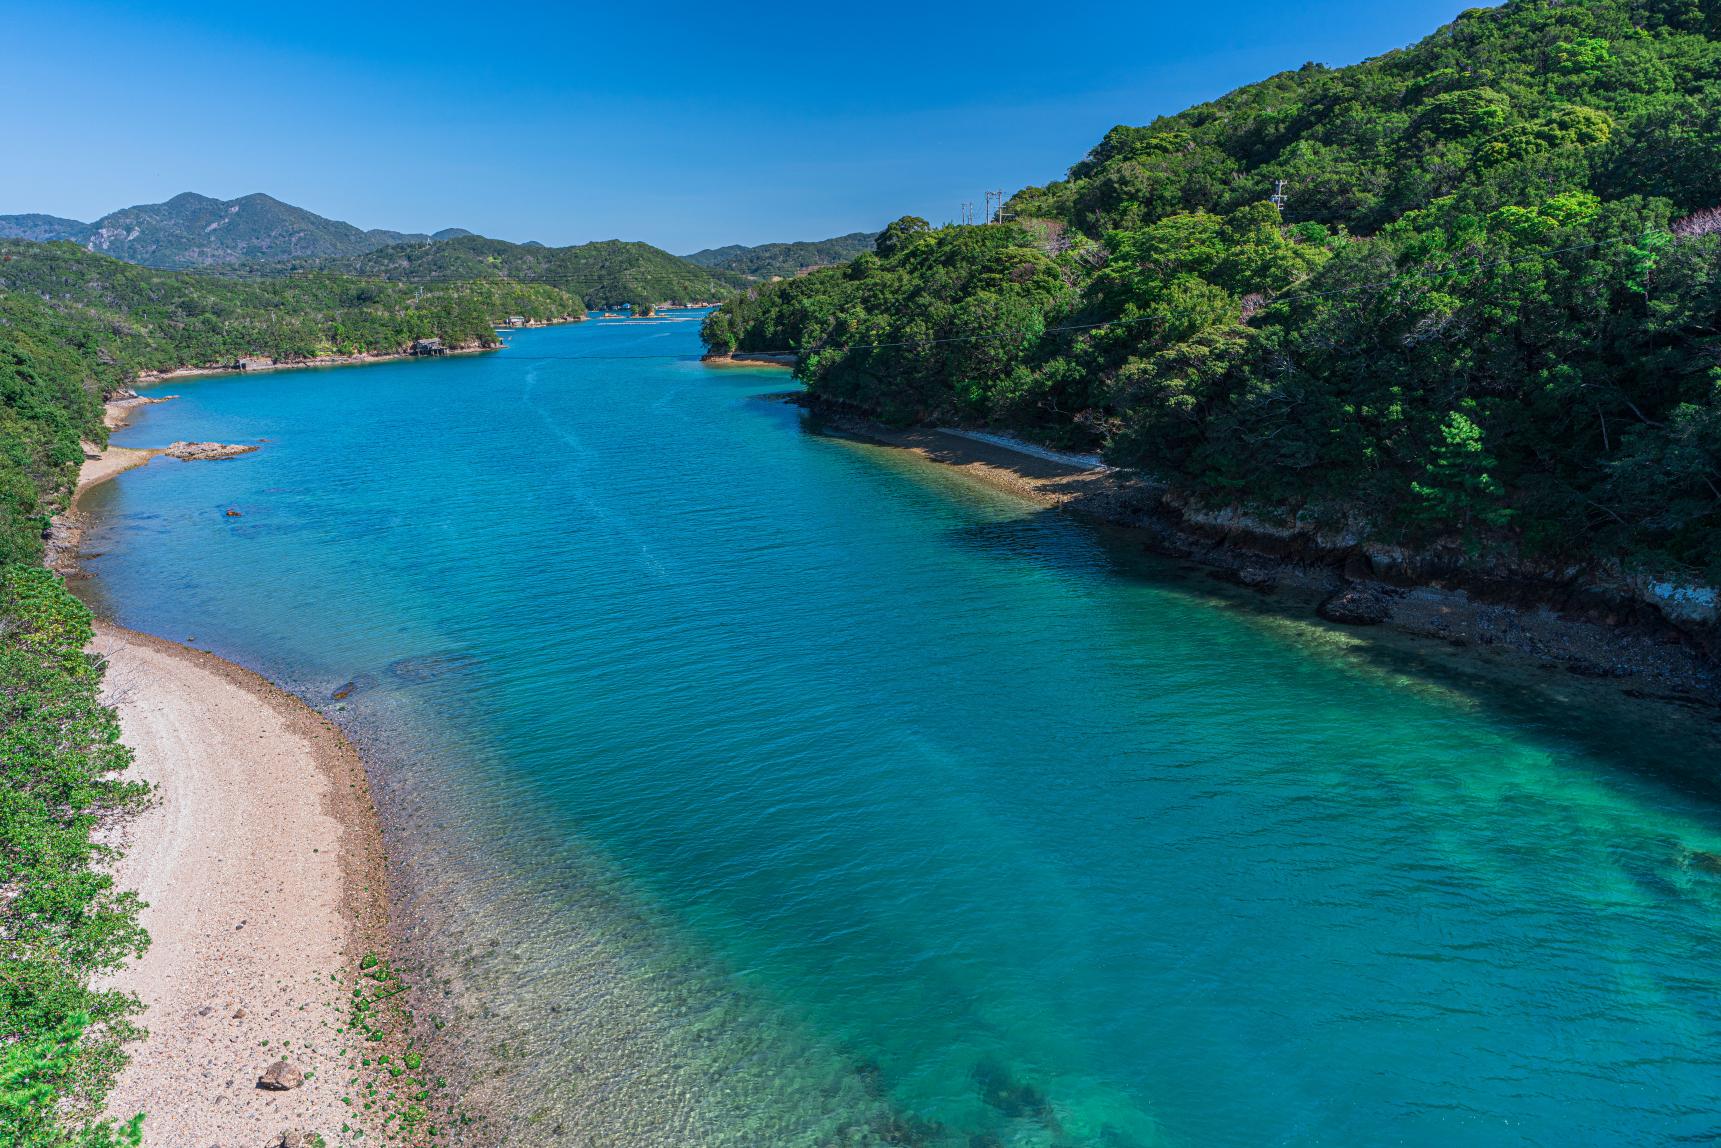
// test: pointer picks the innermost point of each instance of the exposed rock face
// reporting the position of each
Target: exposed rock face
(280, 1077)
(1357, 606)
(1358, 566)
(206, 451)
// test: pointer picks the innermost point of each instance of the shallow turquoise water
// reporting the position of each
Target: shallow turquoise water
(749, 786)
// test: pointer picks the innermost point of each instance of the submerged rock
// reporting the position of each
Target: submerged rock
(428, 667)
(1014, 1098)
(281, 1077)
(1356, 606)
(206, 451)
(907, 1130)
(1258, 577)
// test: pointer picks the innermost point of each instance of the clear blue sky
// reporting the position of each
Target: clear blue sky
(685, 125)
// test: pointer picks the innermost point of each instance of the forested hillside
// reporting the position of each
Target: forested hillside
(606, 274)
(784, 259)
(1486, 316)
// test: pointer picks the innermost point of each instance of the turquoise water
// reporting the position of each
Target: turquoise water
(745, 785)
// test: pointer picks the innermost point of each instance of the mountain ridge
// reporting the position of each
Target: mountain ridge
(782, 260)
(191, 230)
(604, 273)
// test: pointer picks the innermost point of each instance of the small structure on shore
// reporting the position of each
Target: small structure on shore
(255, 363)
(428, 347)
(516, 320)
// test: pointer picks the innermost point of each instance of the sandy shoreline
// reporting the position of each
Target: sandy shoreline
(261, 863)
(261, 860)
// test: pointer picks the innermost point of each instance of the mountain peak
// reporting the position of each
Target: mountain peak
(193, 230)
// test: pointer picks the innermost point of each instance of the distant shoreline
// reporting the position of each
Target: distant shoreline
(358, 359)
(151, 378)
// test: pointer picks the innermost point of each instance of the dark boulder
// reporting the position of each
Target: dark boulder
(1357, 606)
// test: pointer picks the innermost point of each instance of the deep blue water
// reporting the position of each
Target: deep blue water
(750, 786)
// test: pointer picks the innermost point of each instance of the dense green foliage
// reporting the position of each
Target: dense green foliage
(1489, 314)
(193, 230)
(606, 274)
(61, 918)
(780, 260)
(48, 403)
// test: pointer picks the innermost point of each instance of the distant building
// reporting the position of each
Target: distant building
(516, 320)
(255, 363)
(428, 347)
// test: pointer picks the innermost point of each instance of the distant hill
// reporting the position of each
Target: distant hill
(42, 228)
(606, 274)
(784, 259)
(193, 230)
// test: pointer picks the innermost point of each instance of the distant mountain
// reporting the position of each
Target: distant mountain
(42, 228)
(607, 274)
(784, 259)
(193, 230)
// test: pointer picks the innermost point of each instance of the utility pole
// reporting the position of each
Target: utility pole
(1279, 197)
(967, 214)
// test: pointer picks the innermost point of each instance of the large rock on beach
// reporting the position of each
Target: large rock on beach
(1356, 606)
(280, 1077)
(293, 1138)
(206, 451)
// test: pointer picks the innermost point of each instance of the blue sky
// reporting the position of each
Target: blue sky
(685, 125)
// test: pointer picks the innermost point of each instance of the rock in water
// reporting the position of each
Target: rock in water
(205, 451)
(1356, 606)
(281, 1076)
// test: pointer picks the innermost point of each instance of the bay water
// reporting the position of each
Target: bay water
(745, 785)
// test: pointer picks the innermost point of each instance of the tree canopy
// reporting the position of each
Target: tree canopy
(1485, 311)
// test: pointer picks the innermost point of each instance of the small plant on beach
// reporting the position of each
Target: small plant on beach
(402, 1110)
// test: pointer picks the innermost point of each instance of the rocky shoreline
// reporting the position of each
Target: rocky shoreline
(1583, 631)
(749, 359)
